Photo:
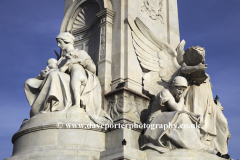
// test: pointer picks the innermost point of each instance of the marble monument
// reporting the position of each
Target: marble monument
(122, 87)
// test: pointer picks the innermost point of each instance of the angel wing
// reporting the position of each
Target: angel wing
(180, 52)
(157, 58)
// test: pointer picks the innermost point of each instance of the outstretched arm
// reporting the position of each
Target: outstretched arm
(191, 69)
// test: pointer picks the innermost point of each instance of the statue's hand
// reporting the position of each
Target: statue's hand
(70, 61)
(202, 67)
(44, 73)
(201, 120)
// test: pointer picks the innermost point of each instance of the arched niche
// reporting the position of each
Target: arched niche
(81, 20)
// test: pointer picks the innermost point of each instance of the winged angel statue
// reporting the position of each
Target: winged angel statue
(189, 98)
(159, 61)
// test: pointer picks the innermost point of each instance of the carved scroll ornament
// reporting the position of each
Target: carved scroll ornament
(153, 8)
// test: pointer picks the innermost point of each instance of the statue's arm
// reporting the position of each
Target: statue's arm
(63, 68)
(176, 106)
(90, 66)
(191, 69)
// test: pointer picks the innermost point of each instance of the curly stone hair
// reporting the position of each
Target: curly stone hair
(200, 50)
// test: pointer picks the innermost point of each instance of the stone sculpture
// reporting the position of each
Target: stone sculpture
(159, 61)
(70, 80)
(144, 76)
(172, 111)
(160, 65)
(199, 100)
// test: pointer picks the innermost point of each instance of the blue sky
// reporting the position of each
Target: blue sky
(28, 29)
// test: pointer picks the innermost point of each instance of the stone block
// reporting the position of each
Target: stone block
(25, 142)
(84, 138)
(124, 101)
(181, 154)
(46, 137)
(123, 152)
(115, 138)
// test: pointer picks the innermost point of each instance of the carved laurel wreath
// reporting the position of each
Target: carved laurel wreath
(153, 11)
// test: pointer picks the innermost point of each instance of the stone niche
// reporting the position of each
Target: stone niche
(84, 25)
(100, 28)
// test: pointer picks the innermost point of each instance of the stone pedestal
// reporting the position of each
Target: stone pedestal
(47, 137)
(123, 153)
(127, 106)
(181, 154)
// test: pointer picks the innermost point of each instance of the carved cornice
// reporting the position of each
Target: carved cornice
(104, 60)
(127, 90)
(122, 120)
(105, 13)
(49, 126)
(106, 17)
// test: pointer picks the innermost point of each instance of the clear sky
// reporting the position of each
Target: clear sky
(28, 29)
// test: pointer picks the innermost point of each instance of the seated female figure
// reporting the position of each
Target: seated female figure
(181, 123)
(75, 81)
(199, 100)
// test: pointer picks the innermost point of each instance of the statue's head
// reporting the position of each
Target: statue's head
(52, 63)
(178, 85)
(65, 39)
(194, 55)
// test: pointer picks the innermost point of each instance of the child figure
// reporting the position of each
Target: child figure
(75, 62)
(51, 66)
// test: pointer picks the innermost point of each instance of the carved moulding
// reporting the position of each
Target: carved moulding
(85, 15)
(106, 21)
(153, 8)
(82, 22)
(127, 105)
(74, 11)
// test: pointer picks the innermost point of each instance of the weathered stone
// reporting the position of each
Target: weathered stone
(131, 51)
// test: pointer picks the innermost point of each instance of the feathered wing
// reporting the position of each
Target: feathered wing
(180, 52)
(157, 58)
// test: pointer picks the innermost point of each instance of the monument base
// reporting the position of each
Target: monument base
(181, 154)
(123, 153)
(47, 137)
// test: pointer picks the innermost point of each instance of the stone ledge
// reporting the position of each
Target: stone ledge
(50, 120)
(181, 154)
(128, 90)
(124, 152)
